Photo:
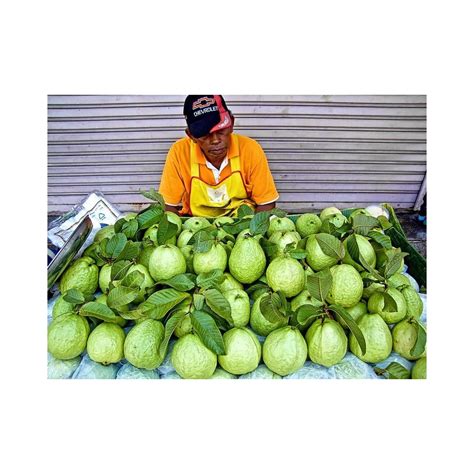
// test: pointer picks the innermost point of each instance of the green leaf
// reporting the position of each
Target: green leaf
(198, 301)
(174, 320)
(306, 313)
(130, 228)
(161, 302)
(120, 269)
(392, 265)
(182, 282)
(280, 299)
(381, 239)
(130, 251)
(257, 286)
(298, 254)
(207, 330)
(389, 304)
(116, 244)
(133, 314)
(74, 296)
(302, 243)
(278, 212)
(353, 248)
(133, 279)
(260, 222)
(166, 230)
(330, 245)
(384, 222)
(244, 210)
(149, 217)
(319, 284)
(121, 295)
(363, 224)
(237, 226)
(202, 241)
(154, 195)
(270, 248)
(394, 371)
(119, 224)
(271, 310)
(218, 304)
(420, 343)
(99, 311)
(210, 279)
(351, 324)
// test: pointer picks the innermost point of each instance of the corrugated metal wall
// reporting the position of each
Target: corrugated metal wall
(323, 150)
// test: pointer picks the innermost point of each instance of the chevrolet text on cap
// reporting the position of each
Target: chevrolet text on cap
(206, 114)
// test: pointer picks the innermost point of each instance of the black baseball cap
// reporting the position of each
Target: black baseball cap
(205, 114)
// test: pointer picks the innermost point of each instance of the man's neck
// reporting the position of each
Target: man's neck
(216, 163)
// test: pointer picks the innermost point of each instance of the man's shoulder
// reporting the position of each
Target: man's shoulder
(180, 149)
(247, 144)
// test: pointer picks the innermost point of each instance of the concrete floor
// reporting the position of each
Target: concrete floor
(414, 229)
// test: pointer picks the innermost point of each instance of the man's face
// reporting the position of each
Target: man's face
(215, 145)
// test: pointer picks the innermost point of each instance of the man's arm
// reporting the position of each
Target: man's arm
(265, 207)
(174, 209)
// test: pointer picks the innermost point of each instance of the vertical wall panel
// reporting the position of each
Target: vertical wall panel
(323, 150)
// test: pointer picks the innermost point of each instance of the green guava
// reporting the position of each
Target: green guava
(418, 370)
(175, 219)
(281, 224)
(196, 223)
(102, 299)
(286, 274)
(185, 326)
(141, 347)
(308, 224)
(242, 351)
(366, 251)
(214, 259)
(378, 339)
(404, 336)
(347, 286)
(315, 257)
(105, 343)
(104, 233)
(192, 359)
(376, 304)
(282, 239)
(166, 261)
(82, 274)
(222, 374)
(284, 351)
(247, 260)
(414, 302)
(329, 212)
(230, 283)
(327, 342)
(240, 306)
(67, 336)
(61, 306)
(259, 323)
(356, 311)
(184, 237)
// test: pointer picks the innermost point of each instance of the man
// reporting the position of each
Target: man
(212, 171)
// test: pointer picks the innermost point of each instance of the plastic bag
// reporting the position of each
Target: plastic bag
(171, 375)
(88, 369)
(310, 370)
(129, 371)
(62, 369)
(352, 367)
(261, 372)
(166, 366)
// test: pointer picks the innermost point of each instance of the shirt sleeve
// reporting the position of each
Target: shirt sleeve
(171, 185)
(263, 187)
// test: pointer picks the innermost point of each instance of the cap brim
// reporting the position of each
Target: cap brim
(225, 122)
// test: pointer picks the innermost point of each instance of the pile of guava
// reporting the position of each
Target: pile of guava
(265, 295)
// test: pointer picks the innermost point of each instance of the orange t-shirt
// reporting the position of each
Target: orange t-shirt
(175, 185)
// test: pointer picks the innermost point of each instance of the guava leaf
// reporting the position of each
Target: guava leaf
(210, 279)
(121, 295)
(182, 282)
(319, 284)
(271, 310)
(218, 304)
(270, 248)
(119, 224)
(207, 330)
(201, 241)
(279, 298)
(149, 217)
(244, 210)
(351, 324)
(330, 245)
(166, 230)
(99, 311)
(363, 224)
(161, 302)
(260, 222)
(392, 265)
(130, 228)
(74, 296)
(302, 243)
(306, 313)
(154, 195)
(353, 248)
(133, 314)
(297, 254)
(257, 286)
(133, 279)
(420, 343)
(393, 371)
(173, 321)
(278, 212)
(130, 251)
(120, 269)
(116, 244)
(381, 239)
(236, 227)
(198, 301)
(389, 304)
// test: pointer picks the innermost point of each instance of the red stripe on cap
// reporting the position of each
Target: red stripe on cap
(225, 120)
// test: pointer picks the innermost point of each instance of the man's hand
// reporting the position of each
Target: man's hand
(174, 209)
(265, 207)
